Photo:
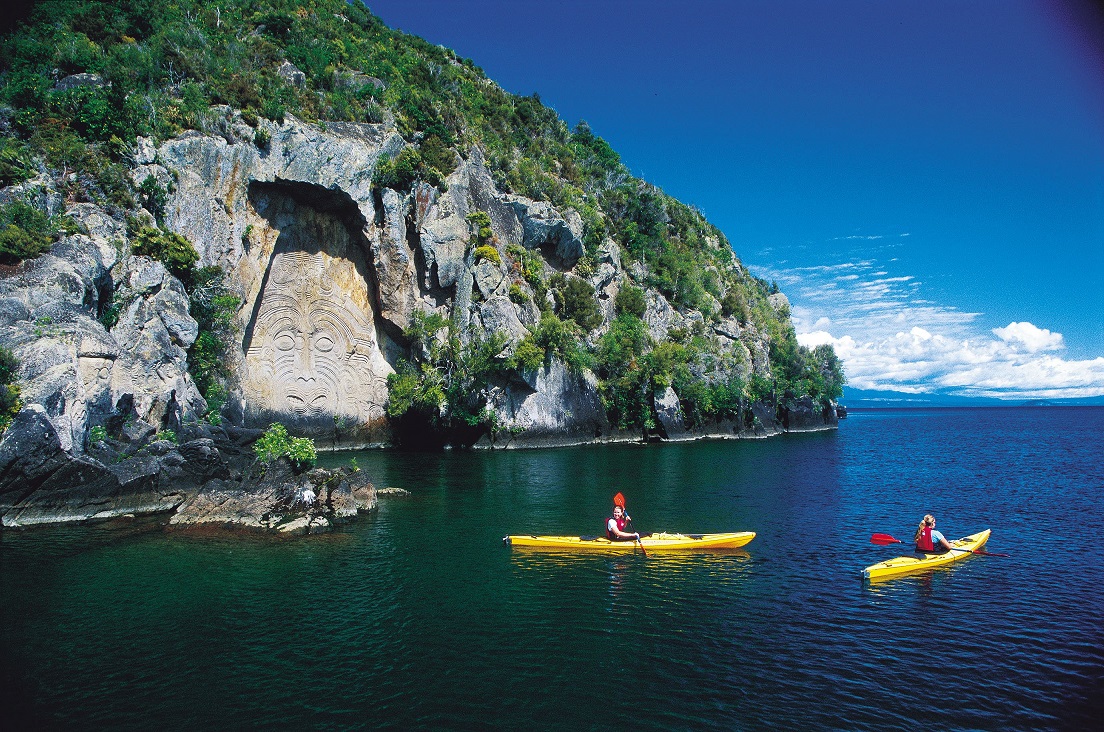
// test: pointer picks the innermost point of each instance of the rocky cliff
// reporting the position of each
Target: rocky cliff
(426, 260)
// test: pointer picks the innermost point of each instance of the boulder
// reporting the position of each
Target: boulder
(74, 81)
(290, 73)
(552, 406)
(669, 414)
(498, 315)
(545, 228)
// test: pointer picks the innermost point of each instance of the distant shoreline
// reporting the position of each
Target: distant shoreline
(886, 407)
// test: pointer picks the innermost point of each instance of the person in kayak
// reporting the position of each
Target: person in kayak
(616, 525)
(928, 540)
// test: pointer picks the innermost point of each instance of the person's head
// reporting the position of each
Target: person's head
(618, 511)
(929, 520)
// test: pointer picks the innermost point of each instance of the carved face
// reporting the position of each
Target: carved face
(312, 350)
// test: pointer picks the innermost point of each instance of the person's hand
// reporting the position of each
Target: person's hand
(637, 536)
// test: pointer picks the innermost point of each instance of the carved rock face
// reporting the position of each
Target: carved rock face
(312, 357)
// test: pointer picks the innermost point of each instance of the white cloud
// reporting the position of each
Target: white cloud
(1033, 339)
(890, 338)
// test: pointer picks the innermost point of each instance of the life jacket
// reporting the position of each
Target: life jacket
(924, 541)
(621, 524)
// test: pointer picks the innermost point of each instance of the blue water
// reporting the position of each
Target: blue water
(419, 617)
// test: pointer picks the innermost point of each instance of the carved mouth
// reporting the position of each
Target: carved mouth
(310, 403)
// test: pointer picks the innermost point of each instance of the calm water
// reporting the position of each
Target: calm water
(419, 617)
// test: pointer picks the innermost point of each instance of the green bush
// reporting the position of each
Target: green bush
(9, 391)
(579, 303)
(528, 355)
(262, 138)
(25, 232)
(97, 434)
(482, 223)
(400, 172)
(171, 249)
(166, 435)
(214, 307)
(153, 196)
(517, 295)
(15, 162)
(630, 300)
(489, 253)
(276, 443)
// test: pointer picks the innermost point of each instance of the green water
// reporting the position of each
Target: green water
(419, 617)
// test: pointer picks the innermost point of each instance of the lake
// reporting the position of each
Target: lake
(419, 617)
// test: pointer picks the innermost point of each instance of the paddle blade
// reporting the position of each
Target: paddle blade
(884, 539)
(619, 500)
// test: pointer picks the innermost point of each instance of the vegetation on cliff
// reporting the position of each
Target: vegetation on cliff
(80, 80)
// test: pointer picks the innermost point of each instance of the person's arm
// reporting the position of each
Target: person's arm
(622, 534)
(943, 540)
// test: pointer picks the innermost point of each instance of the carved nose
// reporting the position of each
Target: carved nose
(305, 358)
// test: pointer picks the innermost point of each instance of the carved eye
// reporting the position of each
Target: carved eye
(324, 343)
(284, 342)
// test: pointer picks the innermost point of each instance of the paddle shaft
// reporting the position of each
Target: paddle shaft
(628, 521)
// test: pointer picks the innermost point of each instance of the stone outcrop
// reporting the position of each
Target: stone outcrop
(70, 363)
(206, 481)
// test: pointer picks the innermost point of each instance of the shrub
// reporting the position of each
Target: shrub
(167, 435)
(261, 138)
(528, 355)
(630, 300)
(579, 303)
(25, 232)
(171, 249)
(153, 197)
(97, 434)
(214, 306)
(9, 391)
(482, 223)
(489, 253)
(400, 172)
(276, 443)
(15, 163)
(517, 295)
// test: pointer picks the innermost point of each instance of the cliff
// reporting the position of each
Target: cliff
(382, 249)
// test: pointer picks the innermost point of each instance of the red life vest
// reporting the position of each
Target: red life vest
(621, 523)
(924, 541)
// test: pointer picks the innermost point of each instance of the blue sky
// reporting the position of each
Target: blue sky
(925, 180)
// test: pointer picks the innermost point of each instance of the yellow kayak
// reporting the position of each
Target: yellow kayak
(916, 562)
(652, 542)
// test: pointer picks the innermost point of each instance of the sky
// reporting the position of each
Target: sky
(924, 180)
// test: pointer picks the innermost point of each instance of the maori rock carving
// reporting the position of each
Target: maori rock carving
(313, 359)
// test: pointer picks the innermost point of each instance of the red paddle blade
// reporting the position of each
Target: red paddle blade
(884, 539)
(619, 500)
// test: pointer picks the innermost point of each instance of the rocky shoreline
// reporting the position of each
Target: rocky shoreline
(212, 479)
(209, 478)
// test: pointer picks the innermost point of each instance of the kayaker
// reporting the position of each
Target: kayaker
(616, 524)
(928, 540)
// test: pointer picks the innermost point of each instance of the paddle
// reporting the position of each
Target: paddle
(882, 539)
(619, 500)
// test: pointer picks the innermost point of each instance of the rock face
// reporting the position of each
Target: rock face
(331, 270)
(70, 364)
(207, 481)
